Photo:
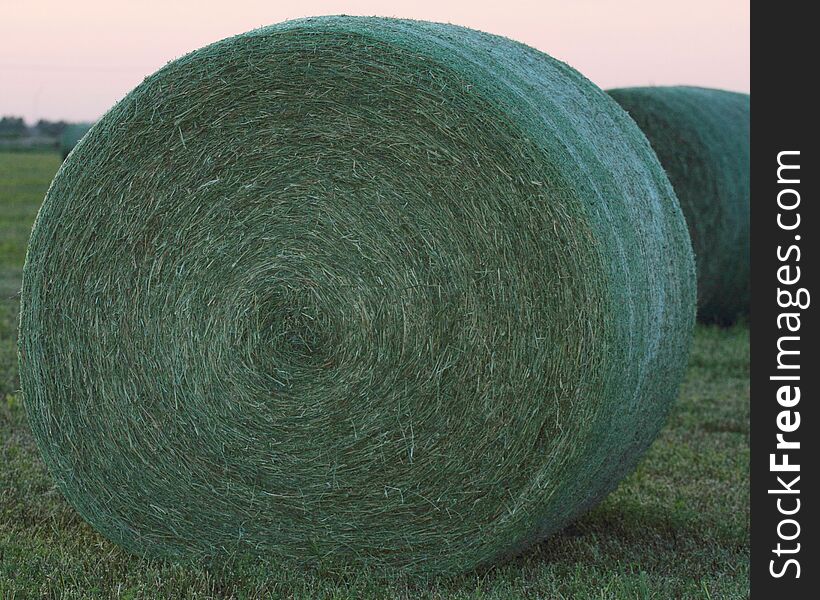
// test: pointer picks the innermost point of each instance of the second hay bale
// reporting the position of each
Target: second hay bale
(701, 137)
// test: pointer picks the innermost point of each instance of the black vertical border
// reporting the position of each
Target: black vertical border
(784, 72)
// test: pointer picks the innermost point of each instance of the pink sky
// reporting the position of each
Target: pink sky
(73, 60)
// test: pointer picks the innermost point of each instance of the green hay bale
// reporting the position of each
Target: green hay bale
(701, 137)
(353, 291)
(71, 135)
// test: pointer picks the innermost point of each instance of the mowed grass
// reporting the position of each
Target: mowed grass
(676, 528)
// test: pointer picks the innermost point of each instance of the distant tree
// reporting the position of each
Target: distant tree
(12, 127)
(51, 128)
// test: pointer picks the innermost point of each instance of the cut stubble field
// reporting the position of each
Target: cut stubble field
(676, 528)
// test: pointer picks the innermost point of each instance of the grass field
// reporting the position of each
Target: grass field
(676, 528)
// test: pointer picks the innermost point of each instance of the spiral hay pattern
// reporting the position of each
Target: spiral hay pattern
(701, 137)
(353, 291)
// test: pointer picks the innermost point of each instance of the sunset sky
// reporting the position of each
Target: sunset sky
(74, 60)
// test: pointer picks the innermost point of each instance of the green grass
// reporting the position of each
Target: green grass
(677, 528)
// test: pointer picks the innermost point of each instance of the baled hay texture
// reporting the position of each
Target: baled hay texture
(701, 137)
(354, 291)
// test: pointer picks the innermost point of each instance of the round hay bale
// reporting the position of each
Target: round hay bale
(701, 137)
(71, 135)
(353, 291)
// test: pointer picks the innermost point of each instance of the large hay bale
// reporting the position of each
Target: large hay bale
(701, 137)
(353, 290)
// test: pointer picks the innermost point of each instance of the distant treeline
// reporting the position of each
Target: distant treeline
(16, 127)
(16, 134)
